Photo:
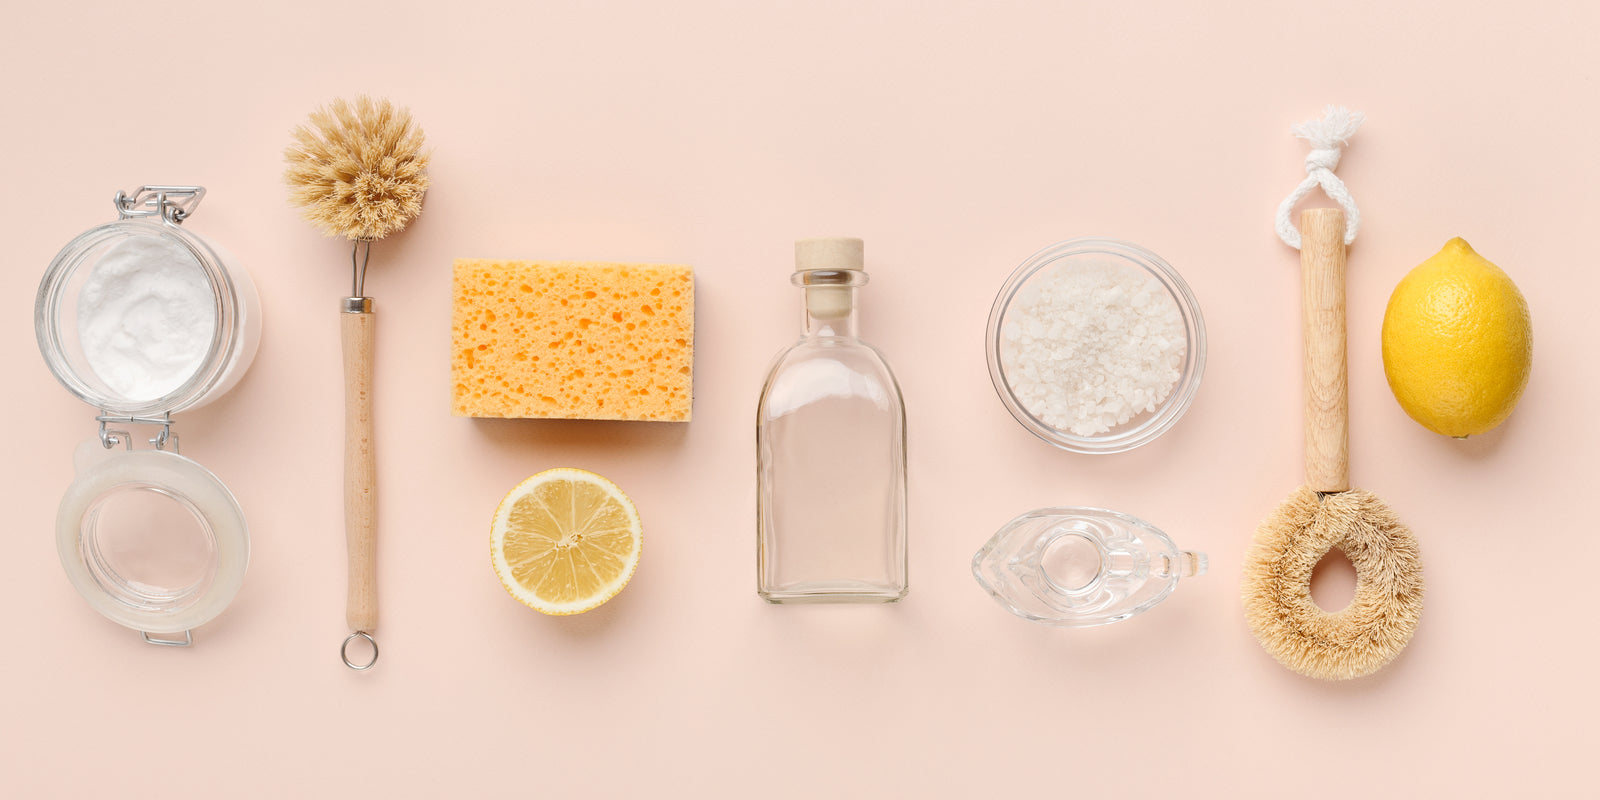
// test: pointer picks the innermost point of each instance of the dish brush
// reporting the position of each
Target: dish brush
(357, 170)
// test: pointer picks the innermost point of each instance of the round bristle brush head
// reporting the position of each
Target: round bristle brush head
(1378, 623)
(357, 170)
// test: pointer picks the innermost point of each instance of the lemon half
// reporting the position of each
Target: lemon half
(564, 541)
(1457, 343)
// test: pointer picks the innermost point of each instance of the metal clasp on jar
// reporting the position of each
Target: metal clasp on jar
(111, 437)
(171, 203)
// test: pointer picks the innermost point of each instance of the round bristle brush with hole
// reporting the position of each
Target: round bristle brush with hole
(1326, 513)
(357, 170)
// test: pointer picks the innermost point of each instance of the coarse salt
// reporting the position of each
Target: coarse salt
(1090, 346)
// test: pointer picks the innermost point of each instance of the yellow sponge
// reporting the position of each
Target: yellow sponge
(572, 340)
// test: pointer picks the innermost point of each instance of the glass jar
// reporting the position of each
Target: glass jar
(141, 318)
(237, 310)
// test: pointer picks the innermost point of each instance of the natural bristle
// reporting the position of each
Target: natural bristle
(357, 170)
(1379, 621)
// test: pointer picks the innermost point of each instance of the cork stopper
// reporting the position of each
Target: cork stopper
(829, 252)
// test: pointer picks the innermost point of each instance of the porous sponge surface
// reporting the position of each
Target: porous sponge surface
(572, 340)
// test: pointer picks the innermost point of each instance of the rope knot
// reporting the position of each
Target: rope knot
(1328, 137)
(1323, 159)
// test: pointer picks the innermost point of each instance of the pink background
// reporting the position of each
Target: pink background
(956, 139)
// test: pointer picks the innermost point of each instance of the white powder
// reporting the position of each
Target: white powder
(1090, 346)
(146, 315)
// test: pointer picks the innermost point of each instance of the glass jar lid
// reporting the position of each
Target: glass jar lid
(154, 541)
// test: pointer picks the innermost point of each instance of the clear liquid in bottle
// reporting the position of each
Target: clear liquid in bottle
(830, 442)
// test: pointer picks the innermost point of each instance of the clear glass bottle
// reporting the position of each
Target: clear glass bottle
(830, 450)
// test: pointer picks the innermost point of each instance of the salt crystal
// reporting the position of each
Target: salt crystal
(1104, 343)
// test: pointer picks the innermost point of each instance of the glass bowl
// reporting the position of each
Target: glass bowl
(1095, 257)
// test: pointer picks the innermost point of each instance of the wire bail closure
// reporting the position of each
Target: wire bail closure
(171, 203)
(111, 437)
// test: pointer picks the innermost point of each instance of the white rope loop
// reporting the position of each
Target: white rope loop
(1328, 137)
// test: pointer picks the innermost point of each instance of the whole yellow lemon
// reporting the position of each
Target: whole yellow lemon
(1457, 342)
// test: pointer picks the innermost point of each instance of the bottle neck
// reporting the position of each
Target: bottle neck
(829, 311)
(828, 306)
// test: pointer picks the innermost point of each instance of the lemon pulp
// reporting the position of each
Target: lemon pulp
(565, 540)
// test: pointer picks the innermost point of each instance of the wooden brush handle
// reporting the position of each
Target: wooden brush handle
(1326, 368)
(360, 491)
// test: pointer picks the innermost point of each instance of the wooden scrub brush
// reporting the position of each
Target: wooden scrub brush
(357, 170)
(1326, 513)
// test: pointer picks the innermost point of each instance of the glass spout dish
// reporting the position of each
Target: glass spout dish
(1081, 567)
